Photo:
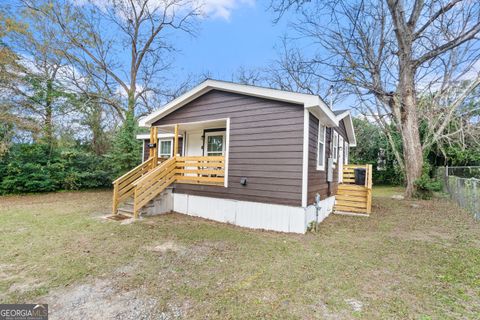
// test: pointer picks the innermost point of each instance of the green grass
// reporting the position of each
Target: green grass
(404, 262)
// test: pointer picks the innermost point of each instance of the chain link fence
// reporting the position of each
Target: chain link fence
(463, 185)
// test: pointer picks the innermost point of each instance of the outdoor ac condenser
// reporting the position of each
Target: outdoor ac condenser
(330, 170)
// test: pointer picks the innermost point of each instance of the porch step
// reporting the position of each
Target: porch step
(125, 212)
(353, 187)
(352, 204)
(351, 198)
(349, 209)
(127, 208)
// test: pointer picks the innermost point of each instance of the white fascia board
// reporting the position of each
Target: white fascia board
(160, 136)
(311, 102)
(347, 117)
(323, 113)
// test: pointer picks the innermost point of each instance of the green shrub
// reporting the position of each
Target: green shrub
(426, 185)
(37, 168)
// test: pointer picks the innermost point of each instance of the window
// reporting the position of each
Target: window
(321, 148)
(346, 152)
(335, 146)
(215, 143)
(165, 150)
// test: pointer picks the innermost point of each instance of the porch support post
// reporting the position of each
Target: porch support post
(175, 143)
(153, 151)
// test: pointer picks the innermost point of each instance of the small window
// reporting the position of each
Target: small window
(215, 144)
(335, 146)
(165, 150)
(321, 148)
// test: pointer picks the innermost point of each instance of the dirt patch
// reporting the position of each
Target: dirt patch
(117, 217)
(100, 300)
(26, 285)
(169, 246)
(432, 236)
(356, 305)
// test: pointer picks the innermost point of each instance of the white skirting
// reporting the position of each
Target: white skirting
(253, 215)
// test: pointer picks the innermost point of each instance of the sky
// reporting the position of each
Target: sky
(245, 37)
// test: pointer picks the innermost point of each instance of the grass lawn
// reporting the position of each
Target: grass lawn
(409, 260)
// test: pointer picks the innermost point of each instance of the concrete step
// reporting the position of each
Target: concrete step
(130, 204)
(125, 211)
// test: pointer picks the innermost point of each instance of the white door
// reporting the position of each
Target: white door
(194, 143)
(340, 159)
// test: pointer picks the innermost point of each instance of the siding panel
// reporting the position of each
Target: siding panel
(266, 140)
(317, 180)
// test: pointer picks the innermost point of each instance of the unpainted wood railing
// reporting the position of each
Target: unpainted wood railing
(349, 178)
(123, 187)
(157, 180)
(201, 170)
(208, 170)
(194, 170)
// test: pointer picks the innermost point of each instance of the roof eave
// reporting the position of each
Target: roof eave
(313, 103)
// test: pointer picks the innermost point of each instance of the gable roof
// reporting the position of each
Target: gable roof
(339, 112)
(346, 116)
(310, 102)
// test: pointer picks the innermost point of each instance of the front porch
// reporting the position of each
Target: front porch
(202, 161)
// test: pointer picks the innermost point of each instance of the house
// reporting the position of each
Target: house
(246, 155)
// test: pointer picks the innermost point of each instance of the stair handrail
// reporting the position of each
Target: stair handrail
(154, 182)
(130, 175)
(152, 172)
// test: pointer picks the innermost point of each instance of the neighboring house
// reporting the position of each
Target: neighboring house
(246, 155)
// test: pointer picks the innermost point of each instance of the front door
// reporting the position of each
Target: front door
(194, 143)
(340, 159)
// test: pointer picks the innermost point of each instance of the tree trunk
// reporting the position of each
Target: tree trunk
(48, 117)
(412, 147)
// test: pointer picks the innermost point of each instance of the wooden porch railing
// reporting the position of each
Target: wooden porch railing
(148, 184)
(201, 170)
(349, 178)
(349, 173)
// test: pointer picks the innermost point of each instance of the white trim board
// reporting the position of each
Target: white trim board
(160, 136)
(306, 125)
(311, 102)
(227, 153)
(347, 117)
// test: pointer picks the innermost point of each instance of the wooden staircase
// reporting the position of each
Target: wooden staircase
(138, 187)
(352, 198)
(127, 207)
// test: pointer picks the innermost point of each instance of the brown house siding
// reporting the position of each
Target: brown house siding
(317, 180)
(266, 141)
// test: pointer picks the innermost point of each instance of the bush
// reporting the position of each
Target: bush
(426, 185)
(38, 168)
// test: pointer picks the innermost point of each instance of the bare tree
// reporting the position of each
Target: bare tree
(119, 46)
(390, 54)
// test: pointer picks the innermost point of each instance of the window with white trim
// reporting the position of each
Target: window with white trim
(321, 147)
(335, 146)
(215, 143)
(165, 148)
(346, 152)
